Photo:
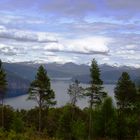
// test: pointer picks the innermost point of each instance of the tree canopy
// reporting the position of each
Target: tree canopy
(125, 92)
(41, 92)
(3, 81)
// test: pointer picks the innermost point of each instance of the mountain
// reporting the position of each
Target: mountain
(109, 74)
(16, 85)
(21, 74)
(23, 71)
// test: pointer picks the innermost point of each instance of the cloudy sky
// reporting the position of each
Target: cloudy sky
(70, 31)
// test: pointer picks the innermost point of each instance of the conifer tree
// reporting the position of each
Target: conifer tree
(95, 91)
(41, 92)
(3, 87)
(125, 92)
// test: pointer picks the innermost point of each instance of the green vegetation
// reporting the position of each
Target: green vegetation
(101, 121)
(3, 87)
(40, 91)
(95, 93)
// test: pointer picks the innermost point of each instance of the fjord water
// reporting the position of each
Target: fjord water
(60, 88)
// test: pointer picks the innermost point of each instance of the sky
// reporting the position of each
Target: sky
(62, 31)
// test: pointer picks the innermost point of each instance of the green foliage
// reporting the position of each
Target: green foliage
(8, 116)
(127, 98)
(2, 134)
(3, 81)
(40, 89)
(136, 110)
(95, 73)
(125, 92)
(64, 129)
(72, 128)
(3, 87)
(52, 121)
(108, 118)
(17, 124)
(95, 91)
(79, 130)
(132, 125)
(104, 120)
(31, 118)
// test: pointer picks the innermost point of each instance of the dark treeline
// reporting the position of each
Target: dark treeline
(102, 120)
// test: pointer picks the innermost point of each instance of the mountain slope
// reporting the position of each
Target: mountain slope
(16, 85)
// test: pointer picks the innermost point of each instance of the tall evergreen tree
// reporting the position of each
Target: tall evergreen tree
(125, 92)
(40, 91)
(95, 91)
(3, 87)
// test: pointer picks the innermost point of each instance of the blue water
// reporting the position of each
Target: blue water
(60, 88)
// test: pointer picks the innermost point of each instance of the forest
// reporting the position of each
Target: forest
(103, 119)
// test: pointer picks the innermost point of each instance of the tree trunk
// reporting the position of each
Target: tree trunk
(90, 122)
(39, 118)
(72, 118)
(2, 113)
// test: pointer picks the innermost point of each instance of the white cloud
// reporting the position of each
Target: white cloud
(17, 44)
(131, 46)
(27, 36)
(54, 47)
(2, 27)
(105, 59)
(125, 52)
(26, 45)
(89, 45)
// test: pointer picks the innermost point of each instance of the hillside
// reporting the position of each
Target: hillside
(16, 85)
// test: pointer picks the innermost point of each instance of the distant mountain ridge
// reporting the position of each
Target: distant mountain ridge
(20, 74)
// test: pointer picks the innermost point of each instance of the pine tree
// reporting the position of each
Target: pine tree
(41, 92)
(95, 91)
(3, 87)
(125, 92)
